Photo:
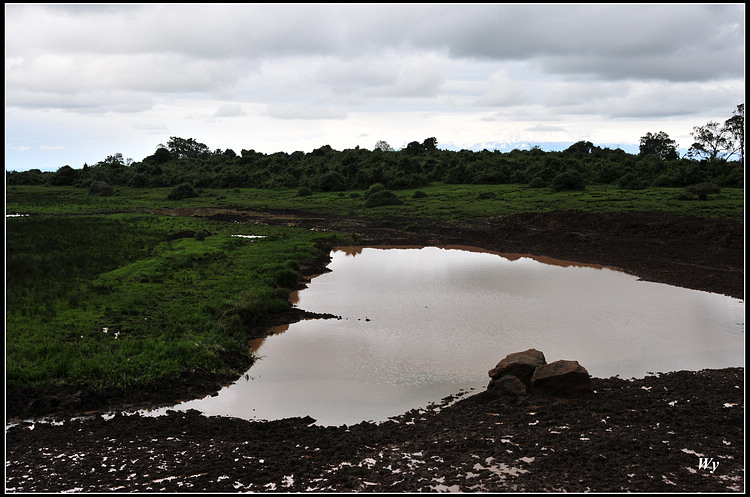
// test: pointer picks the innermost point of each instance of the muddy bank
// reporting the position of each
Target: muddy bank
(646, 435)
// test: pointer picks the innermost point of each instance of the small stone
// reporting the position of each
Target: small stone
(508, 385)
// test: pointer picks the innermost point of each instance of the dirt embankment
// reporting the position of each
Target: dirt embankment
(697, 253)
(682, 431)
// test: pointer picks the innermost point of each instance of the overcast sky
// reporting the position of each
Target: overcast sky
(83, 82)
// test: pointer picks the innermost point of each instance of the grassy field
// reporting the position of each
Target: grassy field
(110, 300)
(444, 202)
(101, 293)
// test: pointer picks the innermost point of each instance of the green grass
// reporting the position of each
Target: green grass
(442, 202)
(80, 264)
(457, 203)
(168, 306)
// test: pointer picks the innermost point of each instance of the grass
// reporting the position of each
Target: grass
(453, 203)
(100, 293)
(458, 203)
(110, 301)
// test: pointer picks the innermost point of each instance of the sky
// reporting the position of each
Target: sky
(86, 81)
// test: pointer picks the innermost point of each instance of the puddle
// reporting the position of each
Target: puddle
(420, 324)
(250, 237)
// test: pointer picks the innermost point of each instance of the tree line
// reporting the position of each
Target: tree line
(716, 157)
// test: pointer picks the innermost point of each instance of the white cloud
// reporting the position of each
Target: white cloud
(304, 111)
(544, 128)
(129, 76)
(229, 110)
(504, 91)
(645, 99)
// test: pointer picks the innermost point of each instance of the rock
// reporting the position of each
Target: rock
(520, 365)
(508, 385)
(562, 378)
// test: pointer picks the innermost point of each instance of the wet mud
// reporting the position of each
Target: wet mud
(671, 432)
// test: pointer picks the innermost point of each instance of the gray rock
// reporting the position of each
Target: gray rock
(562, 378)
(520, 365)
(508, 385)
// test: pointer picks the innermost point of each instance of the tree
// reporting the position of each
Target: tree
(114, 161)
(659, 144)
(710, 141)
(65, 175)
(735, 126)
(383, 145)
(162, 155)
(717, 141)
(430, 143)
(580, 149)
(182, 147)
(414, 148)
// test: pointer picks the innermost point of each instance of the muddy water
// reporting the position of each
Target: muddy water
(420, 324)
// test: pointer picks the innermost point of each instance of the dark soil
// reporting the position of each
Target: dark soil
(645, 435)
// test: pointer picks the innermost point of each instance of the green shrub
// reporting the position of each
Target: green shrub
(100, 188)
(703, 190)
(630, 181)
(382, 197)
(183, 190)
(304, 192)
(139, 180)
(375, 188)
(286, 278)
(419, 194)
(686, 196)
(331, 181)
(537, 182)
(568, 180)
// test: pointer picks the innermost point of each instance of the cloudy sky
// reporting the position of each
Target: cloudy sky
(83, 82)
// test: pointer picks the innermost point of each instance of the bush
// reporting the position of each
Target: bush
(382, 197)
(419, 194)
(139, 180)
(183, 190)
(375, 188)
(702, 190)
(331, 181)
(630, 181)
(686, 196)
(100, 188)
(568, 180)
(304, 192)
(537, 182)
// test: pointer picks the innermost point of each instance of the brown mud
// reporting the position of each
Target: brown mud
(655, 434)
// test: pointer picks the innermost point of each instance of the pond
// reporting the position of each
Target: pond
(419, 324)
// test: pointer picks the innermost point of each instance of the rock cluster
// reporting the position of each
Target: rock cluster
(523, 372)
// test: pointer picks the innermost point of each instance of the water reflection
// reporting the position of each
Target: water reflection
(422, 323)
